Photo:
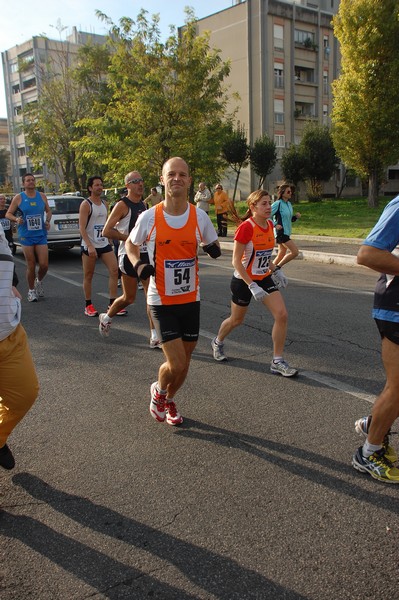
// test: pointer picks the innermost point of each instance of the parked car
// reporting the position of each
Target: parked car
(64, 225)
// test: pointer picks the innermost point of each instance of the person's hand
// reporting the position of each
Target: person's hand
(16, 292)
(279, 279)
(92, 251)
(298, 215)
(278, 226)
(257, 292)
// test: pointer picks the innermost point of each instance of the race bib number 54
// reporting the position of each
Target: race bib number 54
(179, 276)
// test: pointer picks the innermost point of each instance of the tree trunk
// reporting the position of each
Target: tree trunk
(372, 200)
(236, 185)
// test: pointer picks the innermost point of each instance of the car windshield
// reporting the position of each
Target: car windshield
(65, 205)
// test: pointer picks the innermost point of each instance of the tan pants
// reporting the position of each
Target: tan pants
(19, 386)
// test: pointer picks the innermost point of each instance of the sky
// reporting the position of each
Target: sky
(24, 19)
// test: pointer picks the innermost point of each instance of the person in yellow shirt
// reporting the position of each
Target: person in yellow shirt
(222, 207)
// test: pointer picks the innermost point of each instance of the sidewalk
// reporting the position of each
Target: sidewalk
(322, 249)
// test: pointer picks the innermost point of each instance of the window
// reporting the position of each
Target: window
(14, 68)
(279, 140)
(15, 89)
(278, 75)
(21, 151)
(325, 114)
(17, 110)
(393, 174)
(29, 83)
(325, 83)
(278, 32)
(304, 109)
(304, 74)
(304, 38)
(279, 111)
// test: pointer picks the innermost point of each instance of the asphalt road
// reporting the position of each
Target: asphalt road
(253, 497)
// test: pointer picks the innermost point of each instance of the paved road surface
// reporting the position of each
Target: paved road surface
(252, 498)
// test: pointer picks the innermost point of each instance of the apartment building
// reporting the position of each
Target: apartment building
(284, 57)
(22, 67)
(5, 145)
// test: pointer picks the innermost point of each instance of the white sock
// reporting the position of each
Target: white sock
(277, 359)
(154, 335)
(218, 342)
(369, 449)
(107, 319)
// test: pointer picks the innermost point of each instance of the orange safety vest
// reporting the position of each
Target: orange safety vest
(175, 258)
(263, 243)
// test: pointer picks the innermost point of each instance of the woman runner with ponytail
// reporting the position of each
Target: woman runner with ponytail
(256, 276)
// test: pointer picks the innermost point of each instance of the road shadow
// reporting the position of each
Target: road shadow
(287, 457)
(218, 576)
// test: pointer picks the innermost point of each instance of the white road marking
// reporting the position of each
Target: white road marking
(323, 379)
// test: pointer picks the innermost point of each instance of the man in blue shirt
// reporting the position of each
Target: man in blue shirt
(376, 456)
(33, 220)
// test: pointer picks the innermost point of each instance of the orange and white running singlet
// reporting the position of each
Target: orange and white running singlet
(175, 259)
(259, 244)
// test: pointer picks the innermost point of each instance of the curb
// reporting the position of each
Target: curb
(309, 255)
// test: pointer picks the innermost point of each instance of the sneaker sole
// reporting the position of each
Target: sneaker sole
(173, 424)
(221, 359)
(90, 316)
(274, 372)
(366, 471)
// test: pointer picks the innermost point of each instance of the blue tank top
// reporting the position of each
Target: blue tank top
(33, 214)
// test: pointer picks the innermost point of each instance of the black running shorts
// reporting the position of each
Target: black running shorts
(176, 321)
(388, 329)
(241, 294)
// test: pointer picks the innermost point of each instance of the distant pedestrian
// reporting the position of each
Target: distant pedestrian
(283, 216)
(256, 276)
(33, 223)
(377, 457)
(154, 198)
(202, 197)
(222, 206)
(92, 217)
(18, 381)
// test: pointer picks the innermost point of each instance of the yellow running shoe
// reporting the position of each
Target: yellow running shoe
(377, 465)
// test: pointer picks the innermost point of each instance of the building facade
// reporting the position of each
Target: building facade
(22, 68)
(284, 57)
(5, 178)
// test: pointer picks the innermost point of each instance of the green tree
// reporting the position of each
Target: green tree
(366, 109)
(51, 124)
(167, 99)
(235, 151)
(292, 165)
(319, 158)
(4, 155)
(263, 157)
